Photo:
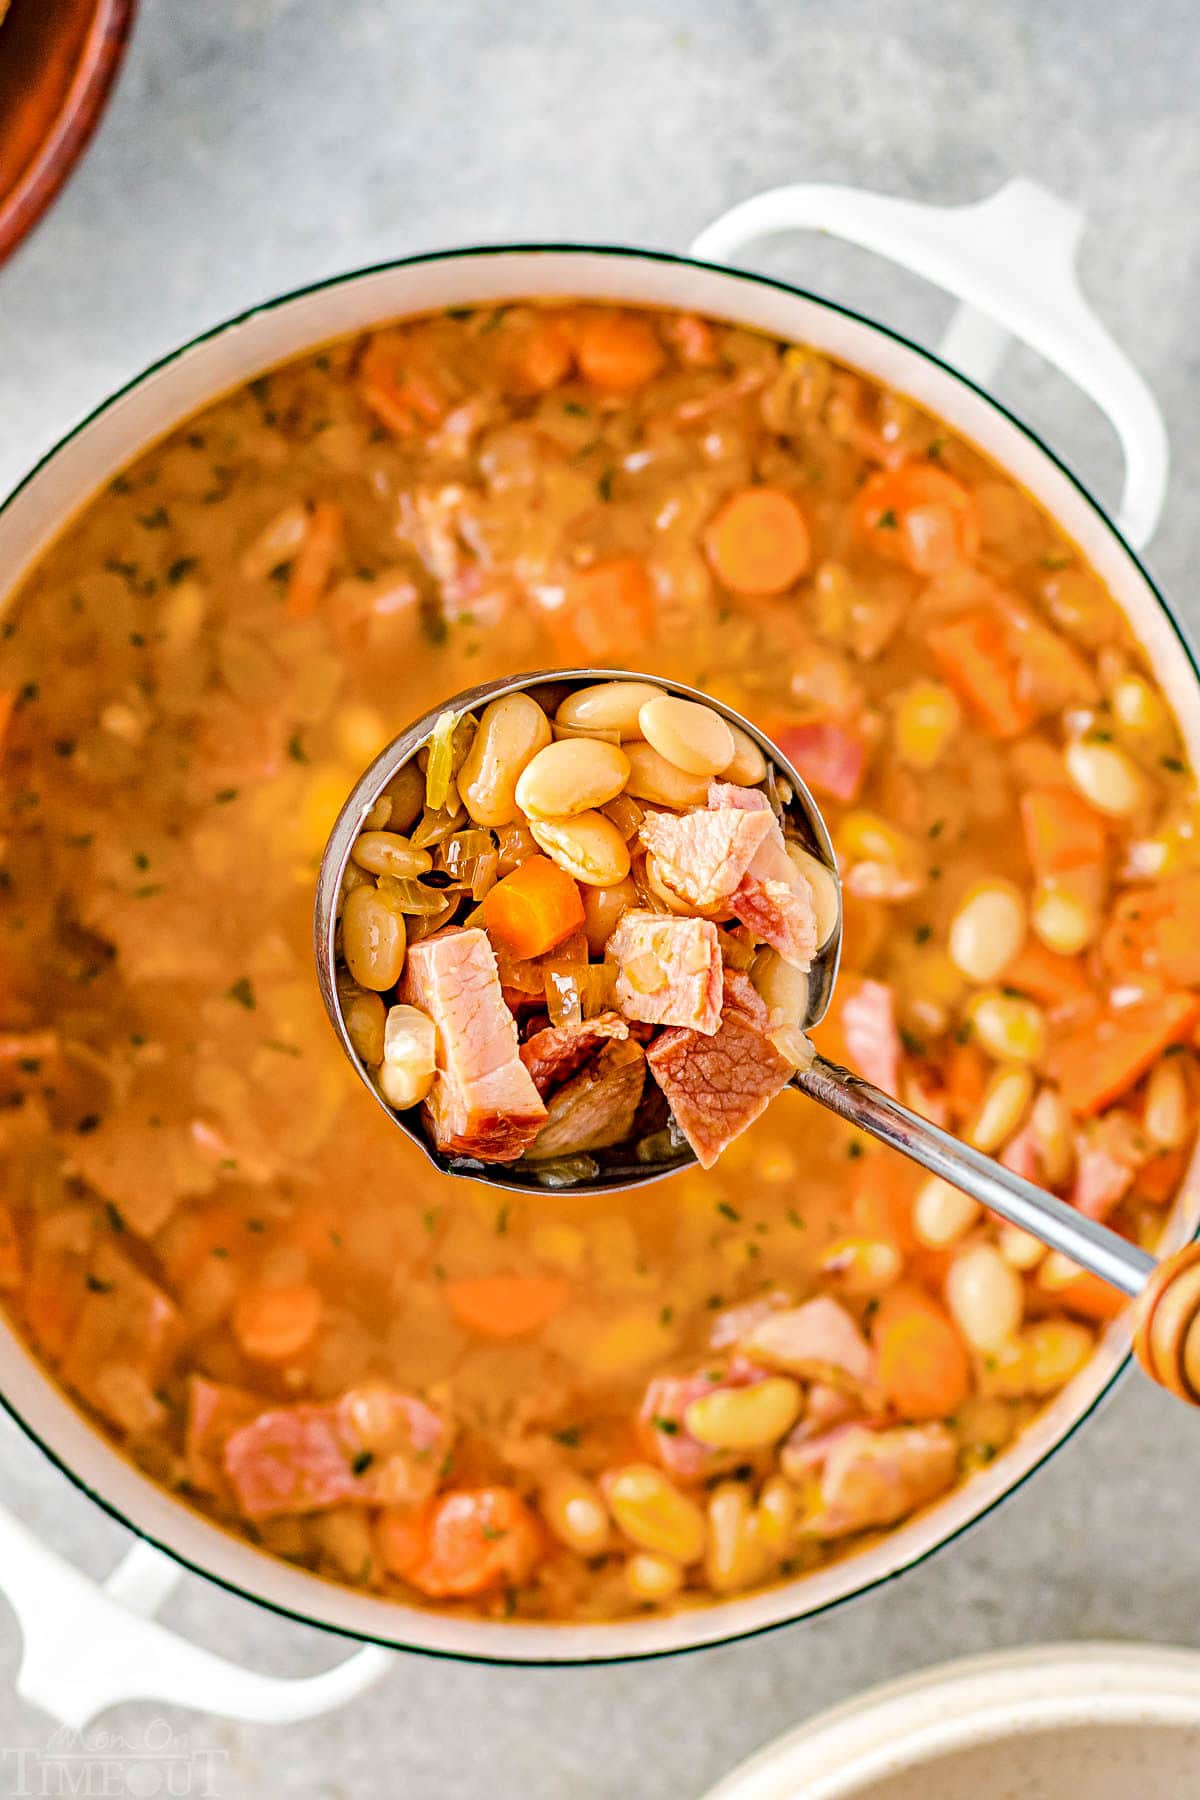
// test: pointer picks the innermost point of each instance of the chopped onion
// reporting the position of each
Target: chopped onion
(403, 893)
(625, 814)
(564, 1003)
(435, 827)
(516, 845)
(440, 766)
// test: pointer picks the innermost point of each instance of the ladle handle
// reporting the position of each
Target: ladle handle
(1167, 1327)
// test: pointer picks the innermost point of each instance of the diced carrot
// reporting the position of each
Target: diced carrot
(607, 611)
(1088, 1296)
(1154, 930)
(758, 541)
(1050, 979)
(469, 1541)
(403, 400)
(8, 701)
(12, 1263)
(882, 1200)
(924, 1371)
(274, 1324)
(1061, 830)
(919, 516)
(314, 562)
(966, 1079)
(618, 351)
(1098, 1062)
(402, 1537)
(542, 356)
(694, 339)
(507, 1306)
(973, 654)
(533, 909)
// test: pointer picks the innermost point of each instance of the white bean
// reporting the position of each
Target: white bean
(1107, 778)
(511, 732)
(692, 737)
(571, 776)
(942, 1213)
(988, 930)
(985, 1297)
(608, 706)
(588, 846)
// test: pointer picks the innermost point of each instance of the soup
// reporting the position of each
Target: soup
(543, 1405)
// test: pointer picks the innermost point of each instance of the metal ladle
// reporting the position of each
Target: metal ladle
(1168, 1315)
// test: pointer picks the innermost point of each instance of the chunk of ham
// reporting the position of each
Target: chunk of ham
(773, 898)
(483, 1102)
(214, 1412)
(668, 970)
(735, 1323)
(872, 1478)
(301, 1459)
(703, 855)
(595, 1107)
(660, 1421)
(818, 1340)
(830, 758)
(554, 1054)
(1108, 1155)
(868, 1016)
(718, 1085)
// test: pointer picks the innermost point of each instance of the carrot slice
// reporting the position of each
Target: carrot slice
(1154, 930)
(966, 1079)
(533, 909)
(542, 356)
(618, 350)
(468, 1542)
(607, 611)
(1050, 979)
(314, 563)
(1061, 830)
(8, 701)
(1088, 1296)
(507, 1306)
(758, 541)
(1102, 1059)
(919, 516)
(273, 1324)
(972, 653)
(923, 1368)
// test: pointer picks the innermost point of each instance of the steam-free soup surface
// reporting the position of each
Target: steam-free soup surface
(539, 1405)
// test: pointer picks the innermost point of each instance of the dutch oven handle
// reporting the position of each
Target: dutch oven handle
(87, 1647)
(1010, 259)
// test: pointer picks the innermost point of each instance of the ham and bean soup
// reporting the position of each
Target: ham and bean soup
(540, 1404)
(587, 863)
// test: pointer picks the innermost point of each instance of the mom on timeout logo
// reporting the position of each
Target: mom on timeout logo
(155, 1764)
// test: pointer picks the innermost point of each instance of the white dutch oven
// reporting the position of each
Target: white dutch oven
(1010, 260)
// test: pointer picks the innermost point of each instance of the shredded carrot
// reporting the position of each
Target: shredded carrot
(607, 611)
(618, 351)
(468, 1541)
(507, 1306)
(1097, 1063)
(758, 541)
(1050, 979)
(1061, 830)
(972, 653)
(274, 1324)
(314, 562)
(923, 1367)
(1153, 930)
(919, 516)
(533, 909)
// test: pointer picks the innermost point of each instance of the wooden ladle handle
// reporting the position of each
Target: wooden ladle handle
(1167, 1334)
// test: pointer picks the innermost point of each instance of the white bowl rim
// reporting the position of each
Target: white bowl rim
(672, 1631)
(907, 1724)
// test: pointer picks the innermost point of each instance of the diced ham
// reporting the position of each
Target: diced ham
(1108, 1154)
(703, 855)
(663, 1433)
(668, 970)
(300, 1459)
(483, 1102)
(872, 1041)
(773, 898)
(818, 1340)
(1022, 1154)
(732, 1325)
(554, 1054)
(875, 1478)
(597, 1106)
(215, 1412)
(716, 1086)
(831, 759)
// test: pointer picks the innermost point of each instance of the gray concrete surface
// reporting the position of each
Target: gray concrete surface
(257, 144)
